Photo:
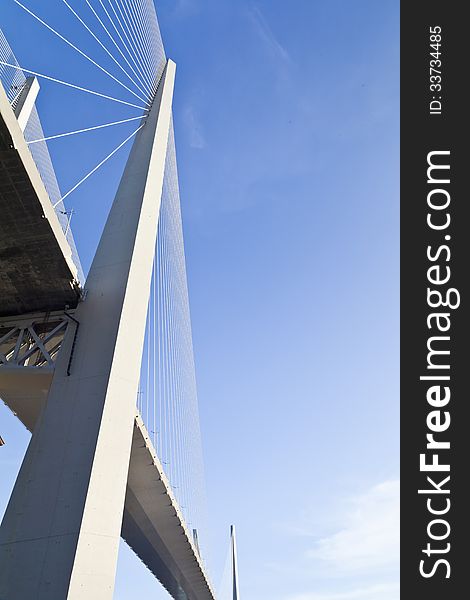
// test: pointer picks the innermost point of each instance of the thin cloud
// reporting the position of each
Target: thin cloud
(368, 539)
(265, 33)
(359, 560)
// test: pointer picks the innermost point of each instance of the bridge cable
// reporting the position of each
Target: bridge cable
(61, 135)
(130, 42)
(132, 38)
(145, 42)
(64, 39)
(166, 355)
(167, 398)
(153, 33)
(161, 341)
(169, 406)
(175, 344)
(99, 165)
(144, 38)
(141, 89)
(150, 50)
(168, 322)
(179, 254)
(139, 76)
(177, 333)
(139, 67)
(72, 85)
(176, 415)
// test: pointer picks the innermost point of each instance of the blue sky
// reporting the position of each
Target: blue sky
(286, 120)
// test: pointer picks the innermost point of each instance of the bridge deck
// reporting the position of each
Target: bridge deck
(37, 272)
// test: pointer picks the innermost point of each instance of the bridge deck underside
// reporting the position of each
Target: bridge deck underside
(153, 525)
(34, 274)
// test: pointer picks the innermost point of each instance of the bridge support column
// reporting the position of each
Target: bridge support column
(60, 535)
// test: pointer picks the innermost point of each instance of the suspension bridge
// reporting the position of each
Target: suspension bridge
(99, 369)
